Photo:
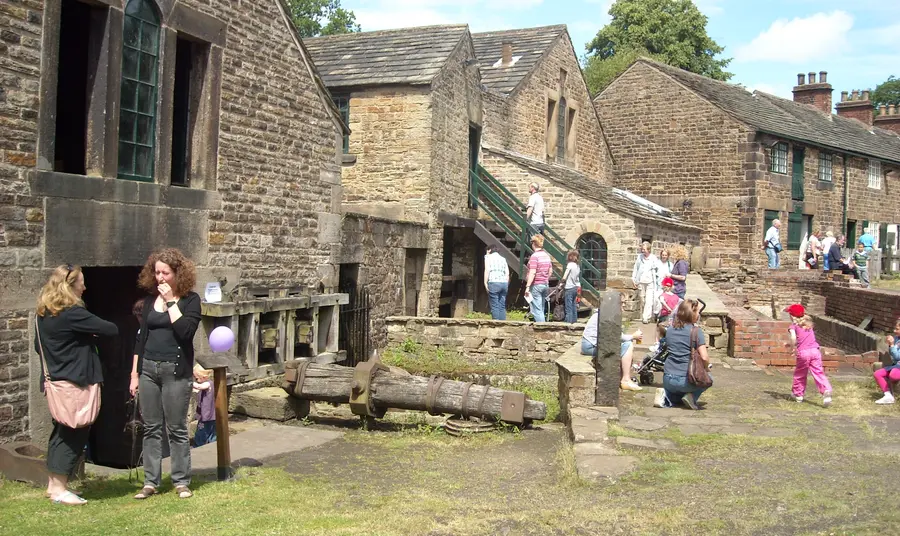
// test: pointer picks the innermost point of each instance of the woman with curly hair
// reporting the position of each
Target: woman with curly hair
(679, 270)
(163, 365)
(66, 335)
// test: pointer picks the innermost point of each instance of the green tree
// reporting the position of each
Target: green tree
(671, 31)
(887, 92)
(322, 17)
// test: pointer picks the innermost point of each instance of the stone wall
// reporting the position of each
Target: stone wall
(693, 151)
(481, 340)
(751, 287)
(527, 125)
(380, 248)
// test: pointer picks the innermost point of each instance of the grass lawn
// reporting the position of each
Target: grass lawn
(889, 284)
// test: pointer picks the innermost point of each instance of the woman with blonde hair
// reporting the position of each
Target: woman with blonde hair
(679, 270)
(163, 365)
(65, 339)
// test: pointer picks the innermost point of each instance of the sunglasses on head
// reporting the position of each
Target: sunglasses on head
(69, 268)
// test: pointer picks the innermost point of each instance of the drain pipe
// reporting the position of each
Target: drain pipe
(846, 195)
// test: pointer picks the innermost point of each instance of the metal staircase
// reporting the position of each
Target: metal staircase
(506, 228)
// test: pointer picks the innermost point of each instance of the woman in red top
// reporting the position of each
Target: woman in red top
(538, 283)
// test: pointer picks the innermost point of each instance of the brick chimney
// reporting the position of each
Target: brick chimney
(506, 55)
(856, 106)
(888, 118)
(815, 94)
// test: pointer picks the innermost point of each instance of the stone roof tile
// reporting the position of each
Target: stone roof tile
(407, 56)
(528, 46)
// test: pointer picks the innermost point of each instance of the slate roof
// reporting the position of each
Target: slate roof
(789, 119)
(615, 200)
(529, 44)
(407, 56)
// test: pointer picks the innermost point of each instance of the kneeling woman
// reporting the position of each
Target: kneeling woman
(676, 387)
(163, 365)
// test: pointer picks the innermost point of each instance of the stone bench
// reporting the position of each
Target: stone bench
(577, 381)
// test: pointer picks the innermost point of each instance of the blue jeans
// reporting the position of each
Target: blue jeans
(538, 301)
(206, 433)
(773, 258)
(571, 306)
(678, 386)
(588, 349)
(825, 257)
(164, 398)
(497, 298)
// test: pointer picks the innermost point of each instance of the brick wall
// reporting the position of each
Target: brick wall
(751, 287)
(481, 340)
(14, 353)
(668, 154)
(853, 305)
(527, 125)
(752, 337)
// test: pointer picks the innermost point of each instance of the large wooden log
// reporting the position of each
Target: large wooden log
(332, 383)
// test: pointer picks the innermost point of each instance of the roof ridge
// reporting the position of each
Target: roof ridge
(498, 32)
(351, 35)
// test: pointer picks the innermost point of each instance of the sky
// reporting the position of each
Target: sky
(856, 41)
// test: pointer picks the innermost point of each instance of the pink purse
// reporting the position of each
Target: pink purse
(70, 405)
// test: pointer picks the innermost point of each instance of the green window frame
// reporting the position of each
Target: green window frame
(343, 105)
(795, 230)
(826, 166)
(778, 158)
(139, 90)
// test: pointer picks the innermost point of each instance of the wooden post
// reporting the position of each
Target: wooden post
(223, 442)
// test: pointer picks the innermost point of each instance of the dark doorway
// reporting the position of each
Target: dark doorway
(111, 293)
(797, 175)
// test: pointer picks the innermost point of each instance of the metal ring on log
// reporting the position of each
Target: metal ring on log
(301, 377)
(434, 385)
(465, 400)
(481, 402)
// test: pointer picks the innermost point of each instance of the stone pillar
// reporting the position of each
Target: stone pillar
(609, 343)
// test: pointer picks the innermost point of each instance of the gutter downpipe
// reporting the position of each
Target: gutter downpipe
(846, 195)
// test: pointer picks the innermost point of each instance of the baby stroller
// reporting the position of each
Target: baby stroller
(653, 362)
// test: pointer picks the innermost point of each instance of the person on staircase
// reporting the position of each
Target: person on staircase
(534, 212)
(496, 282)
(572, 278)
(537, 284)
(644, 276)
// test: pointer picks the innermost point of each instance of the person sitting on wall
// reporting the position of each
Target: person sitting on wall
(589, 346)
(837, 262)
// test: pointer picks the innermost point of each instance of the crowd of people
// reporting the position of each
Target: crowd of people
(163, 371)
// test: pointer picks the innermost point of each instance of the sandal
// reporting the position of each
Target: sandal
(183, 492)
(69, 499)
(145, 492)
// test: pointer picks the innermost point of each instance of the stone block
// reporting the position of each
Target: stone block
(601, 468)
(269, 403)
(582, 430)
(23, 462)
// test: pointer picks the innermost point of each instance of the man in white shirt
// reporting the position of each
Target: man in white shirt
(534, 214)
(496, 282)
(772, 244)
(826, 246)
(645, 277)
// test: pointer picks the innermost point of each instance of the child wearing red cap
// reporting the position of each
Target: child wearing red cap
(809, 357)
(668, 301)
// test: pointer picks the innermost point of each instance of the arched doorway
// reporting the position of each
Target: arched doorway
(592, 248)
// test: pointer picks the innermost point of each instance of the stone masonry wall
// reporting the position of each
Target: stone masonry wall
(380, 248)
(391, 138)
(527, 127)
(669, 154)
(481, 340)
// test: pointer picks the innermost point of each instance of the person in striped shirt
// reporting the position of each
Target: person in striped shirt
(496, 282)
(537, 286)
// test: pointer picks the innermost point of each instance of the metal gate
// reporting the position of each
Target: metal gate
(353, 335)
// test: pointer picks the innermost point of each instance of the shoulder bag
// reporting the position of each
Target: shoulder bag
(70, 404)
(698, 374)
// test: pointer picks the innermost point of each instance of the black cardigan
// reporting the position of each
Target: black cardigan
(68, 340)
(184, 329)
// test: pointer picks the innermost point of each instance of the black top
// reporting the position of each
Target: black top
(834, 257)
(161, 344)
(68, 340)
(183, 331)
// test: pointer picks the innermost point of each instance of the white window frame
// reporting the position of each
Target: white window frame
(826, 166)
(874, 174)
(779, 164)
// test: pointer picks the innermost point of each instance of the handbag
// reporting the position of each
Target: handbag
(70, 404)
(698, 374)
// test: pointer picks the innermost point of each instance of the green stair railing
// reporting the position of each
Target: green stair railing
(508, 211)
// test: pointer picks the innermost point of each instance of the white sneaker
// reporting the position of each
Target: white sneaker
(826, 398)
(660, 398)
(888, 398)
(798, 398)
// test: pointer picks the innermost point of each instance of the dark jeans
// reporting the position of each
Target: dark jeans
(206, 433)
(65, 447)
(571, 306)
(165, 396)
(534, 229)
(678, 386)
(497, 298)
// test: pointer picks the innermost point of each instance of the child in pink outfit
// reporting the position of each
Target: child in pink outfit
(892, 371)
(809, 357)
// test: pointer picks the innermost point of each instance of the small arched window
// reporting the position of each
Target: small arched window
(592, 248)
(140, 87)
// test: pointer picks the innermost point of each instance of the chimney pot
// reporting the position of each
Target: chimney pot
(882, 110)
(801, 79)
(892, 110)
(823, 77)
(854, 95)
(507, 54)
(812, 78)
(844, 96)
(865, 95)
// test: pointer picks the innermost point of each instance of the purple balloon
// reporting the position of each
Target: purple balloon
(221, 339)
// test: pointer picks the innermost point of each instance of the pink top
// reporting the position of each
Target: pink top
(671, 300)
(806, 338)
(541, 263)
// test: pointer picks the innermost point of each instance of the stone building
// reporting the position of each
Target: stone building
(540, 126)
(412, 100)
(134, 124)
(730, 161)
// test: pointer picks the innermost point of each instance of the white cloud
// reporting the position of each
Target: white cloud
(777, 90)
(888, 35)
(799, 40)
